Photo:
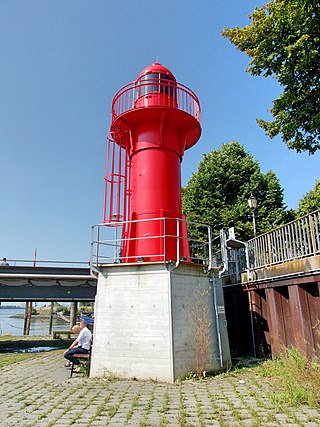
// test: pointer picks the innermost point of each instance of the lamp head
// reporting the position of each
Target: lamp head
(252, 202)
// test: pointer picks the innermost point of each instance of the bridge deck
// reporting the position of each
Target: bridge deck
(23, 283)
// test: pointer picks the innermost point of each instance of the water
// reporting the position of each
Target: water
(28, 350)
(14, 325)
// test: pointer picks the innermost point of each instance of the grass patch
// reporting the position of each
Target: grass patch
(297, 380)
(182, 419)
(133, 406)
(239, 365)
(10, 358)
(244, 363)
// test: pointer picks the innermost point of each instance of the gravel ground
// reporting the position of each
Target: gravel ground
(38, 392)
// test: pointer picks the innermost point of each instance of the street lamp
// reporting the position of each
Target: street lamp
(252, 202)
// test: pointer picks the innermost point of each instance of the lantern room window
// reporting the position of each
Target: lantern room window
(156, 83)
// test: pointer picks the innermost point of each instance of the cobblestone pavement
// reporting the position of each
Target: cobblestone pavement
(38, 392)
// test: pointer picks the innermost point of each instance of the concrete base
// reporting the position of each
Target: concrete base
(148, 322)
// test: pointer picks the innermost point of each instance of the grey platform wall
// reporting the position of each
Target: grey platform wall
(144, 326)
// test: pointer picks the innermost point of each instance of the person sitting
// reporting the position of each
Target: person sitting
(81, 345)
(4, 262)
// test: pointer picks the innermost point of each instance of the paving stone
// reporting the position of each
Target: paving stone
(35, 396)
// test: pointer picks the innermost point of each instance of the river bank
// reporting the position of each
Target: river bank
(44, 317)
(12, 344)
(12, 321)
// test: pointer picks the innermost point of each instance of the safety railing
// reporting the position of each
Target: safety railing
(297, 239)
(236, 262)
(47, 263)
(166, 93)
(230, 261)
(110, 240)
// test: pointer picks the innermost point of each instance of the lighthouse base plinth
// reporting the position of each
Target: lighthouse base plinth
(152, 323)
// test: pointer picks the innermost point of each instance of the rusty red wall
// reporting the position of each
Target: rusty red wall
(287, 316)
(284, 315)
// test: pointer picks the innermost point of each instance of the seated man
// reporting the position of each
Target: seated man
(80, 345)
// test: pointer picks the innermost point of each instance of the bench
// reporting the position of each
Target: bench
(81, 357)
(59, 334)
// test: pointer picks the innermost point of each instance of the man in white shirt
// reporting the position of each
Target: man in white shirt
(80, 345)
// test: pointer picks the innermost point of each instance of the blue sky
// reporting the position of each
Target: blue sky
(61, 63)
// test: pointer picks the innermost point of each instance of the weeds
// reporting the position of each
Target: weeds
(111, 410)
(199, 410)
(147, 409)
(182, 410)
(202, 339)
(164, 409)
(134, 405)
(297, 379)
(166, 400)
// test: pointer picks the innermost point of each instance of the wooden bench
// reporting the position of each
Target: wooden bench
(81, 357)
(59, 334)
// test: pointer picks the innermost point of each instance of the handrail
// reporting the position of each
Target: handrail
(35, 263)
(107, 244)
(175, 95)
(297, 239)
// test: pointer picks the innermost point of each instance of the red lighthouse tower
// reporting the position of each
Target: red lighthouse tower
(154, 120)
(144, 327)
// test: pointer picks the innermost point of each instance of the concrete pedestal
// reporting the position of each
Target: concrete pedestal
(147, 322)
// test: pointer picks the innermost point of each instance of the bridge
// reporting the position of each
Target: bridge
(280, 273)
(56, 282)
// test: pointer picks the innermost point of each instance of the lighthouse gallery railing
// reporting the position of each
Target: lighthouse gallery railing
(107, 244)
(176, 94)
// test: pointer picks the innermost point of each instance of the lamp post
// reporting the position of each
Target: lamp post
(252, 202)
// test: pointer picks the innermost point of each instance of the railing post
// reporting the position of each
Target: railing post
(317, 230)
(164, 240)
(236, 258)
(313, 237)
(269, 249)
(98, 246)
(91, 249)
(178, 242)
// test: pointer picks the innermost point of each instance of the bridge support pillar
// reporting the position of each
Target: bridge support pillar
(151, 323)
(73, 313)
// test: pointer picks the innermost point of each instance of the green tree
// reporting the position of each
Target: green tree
(217, 194)
(309, 202)
(283, 41)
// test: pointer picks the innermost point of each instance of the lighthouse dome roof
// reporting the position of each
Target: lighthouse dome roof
(157, 68)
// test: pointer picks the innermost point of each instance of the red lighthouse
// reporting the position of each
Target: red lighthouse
(143, 322)
(154, 120)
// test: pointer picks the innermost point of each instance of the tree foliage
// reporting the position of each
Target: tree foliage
(309, 202)
(217, 194)
(283, 41)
